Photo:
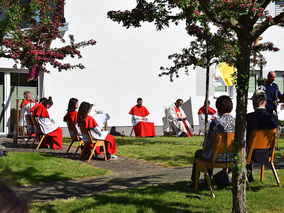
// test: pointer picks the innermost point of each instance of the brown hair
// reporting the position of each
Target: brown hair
(47, 101)
(224, 104)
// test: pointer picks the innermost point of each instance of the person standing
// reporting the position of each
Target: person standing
(272, 92)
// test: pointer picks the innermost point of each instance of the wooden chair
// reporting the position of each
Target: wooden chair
(39, 134)
(86, 133)
(74, 135)
(263, 139)
(31, 130)
(222, 145)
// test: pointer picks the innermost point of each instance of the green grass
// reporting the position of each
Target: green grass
(263, 197)
(21, 169)
(167, 151)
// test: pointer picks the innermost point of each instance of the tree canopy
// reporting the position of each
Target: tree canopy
(27, 29)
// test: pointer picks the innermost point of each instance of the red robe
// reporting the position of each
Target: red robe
(210, 110)
(110, 140)
(71, 115)
(55, 138)
(142, 129)
(34, 108)
(25, 102)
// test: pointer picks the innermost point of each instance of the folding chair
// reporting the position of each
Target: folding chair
(222, 145)
(31, 127)
(263, 139)
(39, 134)
(97, 143)
(74, 135)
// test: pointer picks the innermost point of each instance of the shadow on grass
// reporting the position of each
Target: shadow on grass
(27, 176)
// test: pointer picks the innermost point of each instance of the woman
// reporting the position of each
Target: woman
(53, 132)
(71, 111)
(224, 123)
(96, 132)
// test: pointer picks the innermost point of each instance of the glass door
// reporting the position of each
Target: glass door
(2, 109)
(18, 85)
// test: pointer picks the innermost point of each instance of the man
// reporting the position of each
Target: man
(201, 116)
(272, 92)
(176, 119)
(259, 119)
(25, 106)
(141, 126)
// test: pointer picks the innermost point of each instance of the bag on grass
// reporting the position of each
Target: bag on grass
(222, 179)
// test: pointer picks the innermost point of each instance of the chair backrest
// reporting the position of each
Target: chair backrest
(222, 145)
(86, 133)
(36, 125)
(29, 121)
(72, 130)
(262, 139)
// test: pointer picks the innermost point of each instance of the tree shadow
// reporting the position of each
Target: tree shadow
(28, 176)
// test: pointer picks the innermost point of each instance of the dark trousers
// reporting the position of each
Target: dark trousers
(198, 155)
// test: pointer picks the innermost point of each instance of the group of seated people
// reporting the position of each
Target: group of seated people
(175, 120)
(54, 133)
(85, 115)
(224, 122)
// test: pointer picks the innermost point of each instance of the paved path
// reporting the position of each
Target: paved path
(125, 173)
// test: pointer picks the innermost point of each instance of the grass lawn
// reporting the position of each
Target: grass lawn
(21, 169)
(263, 197)
(168, 151)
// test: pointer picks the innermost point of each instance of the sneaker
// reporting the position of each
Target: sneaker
(113, 157)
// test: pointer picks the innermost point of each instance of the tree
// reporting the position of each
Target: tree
(247, 19)
(27, 29)
(207, 49)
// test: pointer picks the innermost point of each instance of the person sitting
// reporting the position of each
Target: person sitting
(224, 123)
(141, 125)
(177, 120)
(25, 106)
(259, 119)
(201, 116)
(36, 105)
(84, 110)
(100, 117)
(71, 111)
(54, 133)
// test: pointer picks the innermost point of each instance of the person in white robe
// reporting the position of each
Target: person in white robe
(176, 120)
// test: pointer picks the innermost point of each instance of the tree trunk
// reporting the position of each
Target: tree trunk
(239, 170)
(206, 100)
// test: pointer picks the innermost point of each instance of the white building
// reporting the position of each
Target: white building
(123, 66)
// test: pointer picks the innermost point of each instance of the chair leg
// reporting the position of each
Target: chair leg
(36, 137)
(28, 139)
(94, 149)
(70, 146)
(83, 151)
(262, 173)
(131, 132)
(78, 148)
(209, 184)
(40, 142)
(275, 173)
(104, 147)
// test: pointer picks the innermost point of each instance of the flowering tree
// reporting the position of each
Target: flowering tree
(27, 29)
(247, 20)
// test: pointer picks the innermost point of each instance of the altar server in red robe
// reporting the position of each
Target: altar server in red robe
(54, 134)
(36, 105)
(201, 116)
(73, 105)
(141, 125)
(177, 120)
(97, 133)
(25, 106)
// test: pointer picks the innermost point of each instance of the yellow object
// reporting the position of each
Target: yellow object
(227, 73)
